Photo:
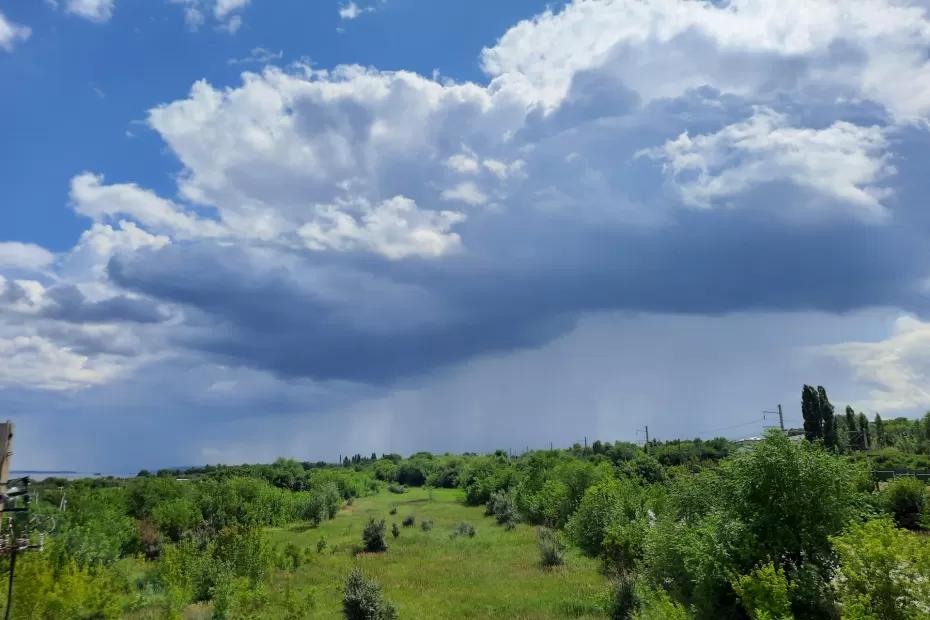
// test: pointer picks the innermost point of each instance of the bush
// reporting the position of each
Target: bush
(408, 521)
(363, 599)
(393, 510)
(397, 488)
(604, 505)
(292, 556)
(373, 536)
(323, 504)
(623, 545)
(765, 593)
(426, 525)
(645, 468)
(624, 602)
(906, 501)
(551, 547)
(502, 507)
(395, 531)
(321, 545)
(884, 572)
(464, 529)
(658, 605)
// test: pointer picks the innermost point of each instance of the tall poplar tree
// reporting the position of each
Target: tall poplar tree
(852, 430)
(879, 432)
(864, 438)
(810, 410)
(826, 416)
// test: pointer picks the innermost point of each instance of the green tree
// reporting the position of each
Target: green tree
(865, 439)
(879, 432)
(790, 496)
(827, 419)
(852, 429)
(811, 412)
(373, 536)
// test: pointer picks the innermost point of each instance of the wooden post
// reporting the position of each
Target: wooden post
(6, 454)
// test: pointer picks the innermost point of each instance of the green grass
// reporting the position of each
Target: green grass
(496, 574)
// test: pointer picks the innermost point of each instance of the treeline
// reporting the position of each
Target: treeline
(157, 544)
(900, 443)
(785, 527)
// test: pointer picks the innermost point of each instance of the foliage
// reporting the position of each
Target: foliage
(765, 593)
(645, 468)
(906, 500)
(395, 531)
(625, 601)
(426, 525)
(884, 572)
(373, 536)
(502, 507)
(363, 599)
(551, 547)
(409, 520)
(464, 529)
(791, 496)
(604, 505)
(656, 604)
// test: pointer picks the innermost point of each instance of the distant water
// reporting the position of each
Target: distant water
(42, 474)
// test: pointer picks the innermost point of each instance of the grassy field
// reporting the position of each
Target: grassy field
(496, 574)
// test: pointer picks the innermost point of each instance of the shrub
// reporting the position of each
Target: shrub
(292, 556)
(884, 572)
(551, 547)
(604, 505)
(408, 521)
(323, 504)
(397, 488)
(395, 531)
(623, 544)
(645, 468)
(321, 545)
(502, 507)
(658, 605)
(426, 525)
(624, 602)
(393, 510)
(764, 593)
(906, 501)
(464, 529)
(363, 600)
(373, 536)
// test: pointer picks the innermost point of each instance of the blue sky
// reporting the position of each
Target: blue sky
(237, 229)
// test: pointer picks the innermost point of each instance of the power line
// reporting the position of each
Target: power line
(726, 428)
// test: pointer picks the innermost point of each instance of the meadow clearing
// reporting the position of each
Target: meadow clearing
(431, 574)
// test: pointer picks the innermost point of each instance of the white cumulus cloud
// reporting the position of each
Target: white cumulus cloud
(11, 33)
(843, 162)
(93, 10)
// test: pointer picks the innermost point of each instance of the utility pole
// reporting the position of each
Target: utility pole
(781, 418)
(6, 452)
(646, 446)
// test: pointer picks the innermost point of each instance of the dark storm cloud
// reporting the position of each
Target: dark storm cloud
(424, 315)
(69, 304)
